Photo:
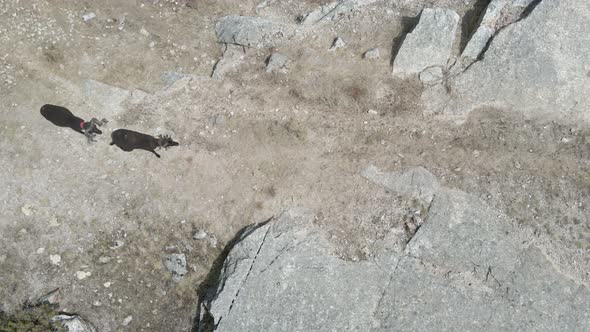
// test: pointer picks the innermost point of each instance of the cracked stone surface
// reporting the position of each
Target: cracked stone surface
(252, 31)
(333, 10)
(283, 277)
(498, 14)
(533, 66)
(468, 267)
(430, 44)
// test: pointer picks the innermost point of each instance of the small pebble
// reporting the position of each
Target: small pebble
(372, 53)
(200, 235)
(55, 259)
(127, 320)
(104, 259)
(82, 275)
(88, 17)
(338, 43)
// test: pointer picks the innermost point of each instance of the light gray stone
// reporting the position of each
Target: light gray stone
(51, 298)
(338, 43)
(276, 62)
(74, 323)
(284, 277)
(332, 11)
(252, 31)
(88, 17)
(176, 264)
(466, 268)
(499, 14)
(429, 44)
(127, 320)
(232, 59)
(200, 235)
(372, 53)
(539, 65)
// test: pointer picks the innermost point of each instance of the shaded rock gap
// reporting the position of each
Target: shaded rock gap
(471, 21)
(528, 10)
(204, 321)
(408, 24)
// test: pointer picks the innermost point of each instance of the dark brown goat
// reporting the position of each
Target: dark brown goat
(128, 140)
(62, 117)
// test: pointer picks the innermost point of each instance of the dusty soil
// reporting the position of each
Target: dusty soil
(251, 145)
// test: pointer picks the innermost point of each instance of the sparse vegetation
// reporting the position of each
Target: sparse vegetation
(30, 319)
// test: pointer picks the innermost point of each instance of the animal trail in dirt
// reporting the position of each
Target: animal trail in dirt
(128, 140)
(63, 117)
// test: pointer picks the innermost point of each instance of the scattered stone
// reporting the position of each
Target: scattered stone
(74, 323)
(117, 244)
(263, 4)
(96, 304)
(51, 298)
(170, 77)
(200, 235)
(218, 119)
(107, 284)
(372, 53)
(127, 320)
(429, 44)
(88, 17)
(81, 275)
(213, 241)
(332, 11)
(176, 264)
(252, 31)
(276, 62)
(373, 112)
(40, 250)
(338, 43)
(104, 259)
(122, 20)
(498, 15)
(53, 222)
(55, 259)
(27, 210)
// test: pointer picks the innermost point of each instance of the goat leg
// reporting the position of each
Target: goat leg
(157, 155)
(97, 122)
(90, 136)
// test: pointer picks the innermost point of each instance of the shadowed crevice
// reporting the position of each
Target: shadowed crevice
(526, 12)
(408, 24)
(471, 21)
(204, 321)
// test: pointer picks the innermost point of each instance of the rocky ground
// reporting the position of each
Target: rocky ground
(99, 223)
